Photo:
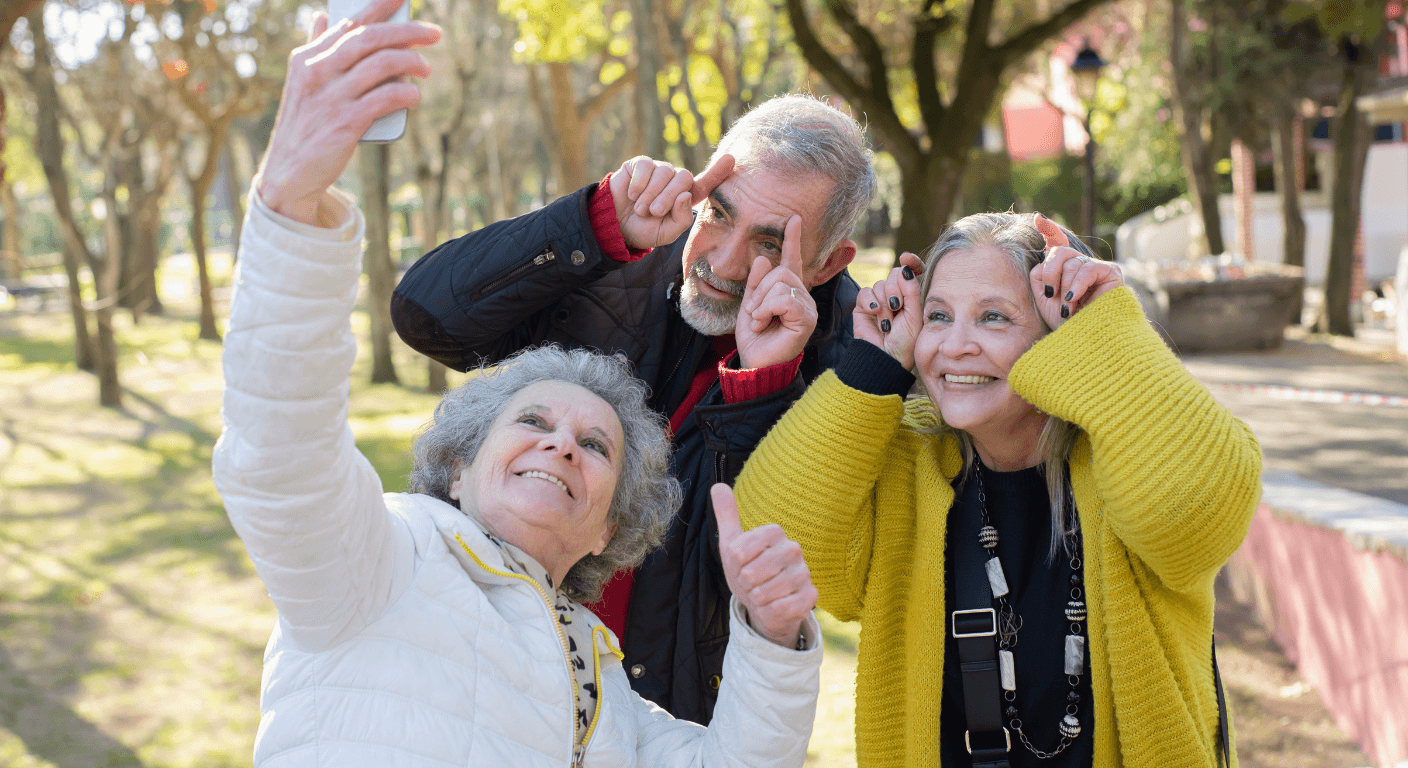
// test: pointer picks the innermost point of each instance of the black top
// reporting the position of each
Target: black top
(1020, 511)
(1019, 508)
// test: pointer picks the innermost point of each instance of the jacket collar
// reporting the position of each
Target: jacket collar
(485, 559)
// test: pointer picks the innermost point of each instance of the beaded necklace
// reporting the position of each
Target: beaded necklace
(1008, 624)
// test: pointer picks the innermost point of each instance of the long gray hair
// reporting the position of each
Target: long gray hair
(646, 496)
(1016, 235)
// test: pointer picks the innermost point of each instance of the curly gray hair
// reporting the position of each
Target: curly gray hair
(1016, 235)
(646, 495)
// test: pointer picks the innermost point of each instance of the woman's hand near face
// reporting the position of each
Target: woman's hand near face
(765, 571)
(1067, 280)
(891, 313)
(338, 84)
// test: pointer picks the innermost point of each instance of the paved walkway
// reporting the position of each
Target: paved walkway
(1307, 404)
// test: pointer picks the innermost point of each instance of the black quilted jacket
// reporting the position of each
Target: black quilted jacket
(542, 277)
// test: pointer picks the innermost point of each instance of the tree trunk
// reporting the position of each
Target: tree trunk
(105, 276)
(1194, 143)
(145, 257)
(11, 264)
(1351, 134)
(436, 221)
(140, 236)
(571, 132)
(200, 190)
(1283, 146)
(381, 274)
(930, 189)
(208, 330)
(234, 194)
(50, 144)
(650, 120)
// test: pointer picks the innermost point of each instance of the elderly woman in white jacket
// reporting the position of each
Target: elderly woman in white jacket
(441, 626)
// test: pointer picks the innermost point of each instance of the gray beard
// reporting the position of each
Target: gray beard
(709, 316)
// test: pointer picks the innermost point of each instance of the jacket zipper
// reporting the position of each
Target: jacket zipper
(579, 751)
(493, 285)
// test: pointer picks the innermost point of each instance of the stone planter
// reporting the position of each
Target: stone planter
(1218, 315)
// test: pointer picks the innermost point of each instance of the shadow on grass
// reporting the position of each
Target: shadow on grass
(50, 729)
(37, 351)
(128, 595)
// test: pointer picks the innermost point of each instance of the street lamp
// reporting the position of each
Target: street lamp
(1086, 71)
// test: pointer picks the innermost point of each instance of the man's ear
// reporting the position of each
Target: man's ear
(840, 257)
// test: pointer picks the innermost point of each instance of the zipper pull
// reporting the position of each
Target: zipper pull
(579, 753)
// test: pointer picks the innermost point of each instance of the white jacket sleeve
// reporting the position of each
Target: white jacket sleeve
(763, 717)
(307, 505)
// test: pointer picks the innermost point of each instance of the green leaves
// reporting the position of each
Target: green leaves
(561, 31)
(1362, 18)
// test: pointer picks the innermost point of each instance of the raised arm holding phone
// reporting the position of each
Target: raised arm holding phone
(444, 625)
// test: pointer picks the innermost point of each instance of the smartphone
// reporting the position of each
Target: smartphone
(389, 127)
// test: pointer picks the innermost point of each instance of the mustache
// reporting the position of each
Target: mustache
(703, 271)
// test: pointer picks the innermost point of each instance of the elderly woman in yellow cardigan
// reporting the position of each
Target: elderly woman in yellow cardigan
(1029, 545)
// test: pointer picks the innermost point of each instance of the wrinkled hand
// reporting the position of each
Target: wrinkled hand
(777, 314)
(653, 198)
(337, 85)
(765, 571)
(891, 314)
(1067, 281)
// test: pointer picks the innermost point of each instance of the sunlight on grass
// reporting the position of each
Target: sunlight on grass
(833, 735)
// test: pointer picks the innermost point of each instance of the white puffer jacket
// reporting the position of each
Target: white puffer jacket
(403, 638)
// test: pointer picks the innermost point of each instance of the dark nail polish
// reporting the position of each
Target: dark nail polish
(1049, 292)
(1065, 311)
(884, 326)
(873, 305)
(1069, 295)
(908, 273)
(894, 303)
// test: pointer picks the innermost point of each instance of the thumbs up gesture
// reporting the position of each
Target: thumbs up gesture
(765, 571)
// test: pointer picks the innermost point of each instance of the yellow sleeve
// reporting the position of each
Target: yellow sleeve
(1179, 476)
(815, 474)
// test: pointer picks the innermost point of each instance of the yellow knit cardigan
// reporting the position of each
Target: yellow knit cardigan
(1165, 481)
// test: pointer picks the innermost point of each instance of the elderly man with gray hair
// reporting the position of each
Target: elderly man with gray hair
(692, 280)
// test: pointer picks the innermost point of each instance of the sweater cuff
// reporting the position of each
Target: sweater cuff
(337, 216)
(871, 370)
(606, 228)
(749, 383)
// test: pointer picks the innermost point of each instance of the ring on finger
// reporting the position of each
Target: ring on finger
(1083, 258)
(794, 293)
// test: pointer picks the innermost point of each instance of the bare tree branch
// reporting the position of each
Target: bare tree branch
(591, 108)
(881, 113)
(927, 30)
(1027, 40)
(867, 46)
